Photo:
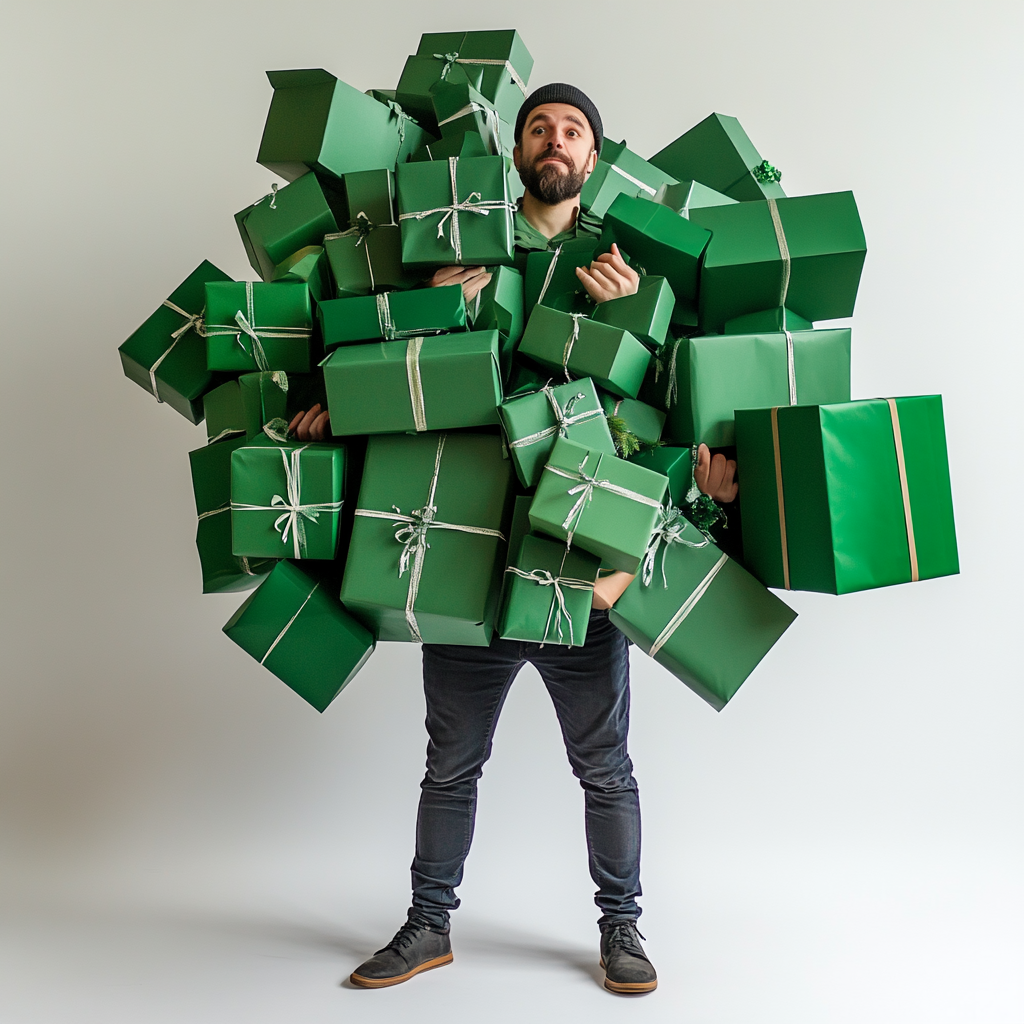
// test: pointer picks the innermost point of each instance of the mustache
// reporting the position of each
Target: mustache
(552, 155)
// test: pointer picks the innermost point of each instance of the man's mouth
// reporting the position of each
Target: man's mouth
(553, 160)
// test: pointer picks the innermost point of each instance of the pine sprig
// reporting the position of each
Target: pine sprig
(626, 442)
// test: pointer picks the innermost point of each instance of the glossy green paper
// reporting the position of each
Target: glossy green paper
(619, 171)
(420, 311)
(645, 314)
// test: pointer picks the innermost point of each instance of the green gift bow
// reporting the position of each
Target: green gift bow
(543, 578)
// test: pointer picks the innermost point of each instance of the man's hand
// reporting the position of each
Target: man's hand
(608, 589)
(608, 277)
(716, 476)
(473, 279)
(310, 426)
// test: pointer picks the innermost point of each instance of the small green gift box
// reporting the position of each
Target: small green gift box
(253, 326)
(167, 354)
(840, 498)
(718, 153)
(295, 627)
(700, 614)
(459, 108)
(805, 253)
(389, 316)
(499, 307)
(619, 171)
(606, 505)
(683, 196)
(548, 593)
(583, 348)
(551, 278)
(646, 314)
(367, 258)
(675, 463)
(223, 571)
(533, 423)
(456, 211)
(286, 499)
(244, 406)
(642, 421)
(309, 266)
(370, 196)
(414, 384)
(428, 540)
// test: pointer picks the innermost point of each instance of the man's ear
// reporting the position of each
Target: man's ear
(516, 155)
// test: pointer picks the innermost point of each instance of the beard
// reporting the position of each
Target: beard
(548, 184)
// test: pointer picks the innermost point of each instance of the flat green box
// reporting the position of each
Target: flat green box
(684, 196)
(462, 481)
(551, 278)
(371, 388)
(364, 262)
(843, 505)
(309, 266)
(639, 418)
(423, 311)
(646, 314)
(370, 196)
(620, 171)
(167, 355)
(243, 406)
(298, 630)
(613, 526)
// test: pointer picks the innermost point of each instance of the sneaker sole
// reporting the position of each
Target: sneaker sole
(625, 988)
(427, 965)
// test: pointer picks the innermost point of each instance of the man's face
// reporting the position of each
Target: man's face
(556, 153)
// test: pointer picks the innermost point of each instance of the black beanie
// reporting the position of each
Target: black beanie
(559, 92)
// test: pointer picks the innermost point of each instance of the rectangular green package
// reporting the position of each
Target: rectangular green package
(421, 311)
(450, 498)
(643, 421)
(619, 171)
(167, 354)
(583, 348)
(245, 405)
(460, 108)
(604, 504)
(286, 499)
(414, 384)
(865, 495)
(712, 623)
(551, 278)
(533, 422)
(646, 314)
(499, 307)
(367, 258)
(297, 629)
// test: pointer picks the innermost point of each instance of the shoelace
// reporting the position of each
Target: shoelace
(624, 937)
(404, 937)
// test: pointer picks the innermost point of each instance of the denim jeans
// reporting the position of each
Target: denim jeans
(589, 686)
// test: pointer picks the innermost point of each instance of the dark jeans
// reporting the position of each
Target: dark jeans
(465, 688)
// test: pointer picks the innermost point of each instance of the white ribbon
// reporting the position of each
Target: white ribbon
(245, 324)
(412, 372)
(271, 195)
(288, 625)
(780, 238)
(193, 321)
(454, 58)
(634, 181)
(386, 321)
(564, 418)
(363, 227)
(558, 610)
(790, 365)
(687, 606)
(490, 116)
(215, 511)
(549, 275)
(573, 337)
(670, 529)
(672, 390)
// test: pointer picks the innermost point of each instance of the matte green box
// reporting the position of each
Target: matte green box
(244, 405)
(370, 196)
(551, 278)
(309, 266)
(499, 307)
(646, 314)
(419, 312)
(619, 171)
(639, 418)
(675, 463)
(459, 108)
(368, 261)
(684, 196)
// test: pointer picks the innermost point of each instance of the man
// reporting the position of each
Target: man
(558, 138)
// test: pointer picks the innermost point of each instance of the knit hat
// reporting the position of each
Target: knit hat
(559, 92)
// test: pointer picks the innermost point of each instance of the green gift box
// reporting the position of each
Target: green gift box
(535, 421)
(701, 615)
(246, 405)
(253, 326)
(767, 321)
(223, 571)
(414, 384)
(683, 196)
(675, 463)
(460, 144)
(548, 593)
(436, 580)
(286, 499)
(840, 498)
(604, 504)
(295, 627)
(319, 123)
(551, 278)
(718, 153)
(641, 420)
(459, 108)
(583, 348)
(309, 266)
(646, 314)
(370, 196)
(167, 354)
(367, 258)
(619, 171)
(499, 307)
(456, 211)
(390, 316)
(805, 253)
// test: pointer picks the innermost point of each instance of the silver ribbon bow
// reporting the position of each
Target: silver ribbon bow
(271, 195)
(398, 112)
(670, 529)
(361, 231)
(454, 58)
(193, 321)
(558, 610)
(490, 117)
(564, 418)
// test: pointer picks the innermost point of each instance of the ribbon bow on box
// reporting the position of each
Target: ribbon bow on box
(558, 610)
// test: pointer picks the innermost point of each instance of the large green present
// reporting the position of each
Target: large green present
(319, 123)
(533, 423)
(456, 211)
(223, 571)
(646, 314)
(370, 196)
(700, 614)
(367, 258)
(840, 498)
(167, 354)
(633, 423)
(437, 579)
(551, 278)
(805, 253)
(619, 171)
(309, 266)
(583, 348)
(414, 384)
(296, 628)
(499, 307)
(286, 499)
(246, 405)
(459, 108)
(718, 153)
(548, 593)
(684, 196)
(253, 326)
(604, 504)
(389, 316)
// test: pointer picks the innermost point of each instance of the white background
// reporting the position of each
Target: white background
(182, 839)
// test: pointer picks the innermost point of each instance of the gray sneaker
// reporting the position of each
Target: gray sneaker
(626, 967)
(416, 947)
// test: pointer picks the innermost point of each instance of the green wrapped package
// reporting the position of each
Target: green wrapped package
(460, 144)
(456, 211)
(700, 614)
(551, 278)
(548, 593)
(244, 406)
(499, 307)
(533, 423)
(641, 420)
(683, 196)
(319, 123)
(223, 571)
(583, 348)
(258, 326)
(367, 258)
(295, 627)
(449, 496)
(604, 504)
(286, 499)
(706, 379)
(675, 463)
(459, 108)
(804, 253)
(167, 354)
(370, 196)
(311, 267)
(840, 498)
(718, 153)
(646, 314)
(767, 321)
(389, 316)
(414, 384)
(619, 171)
